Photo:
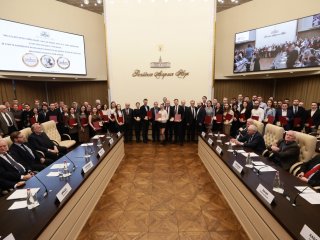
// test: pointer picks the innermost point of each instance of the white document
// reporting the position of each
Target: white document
(265, 169)
(304, 189)
(53, 174)
(58, 165)
(232, 144)
(240, 151)
(86, 144)
(22, 193)
(18, 205)
(9, 237)
(251, 154)
(96, 137)
(313, 198)
(221, 135)
(258, 163)
(308, 234)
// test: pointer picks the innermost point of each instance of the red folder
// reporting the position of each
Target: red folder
(296, 122)
(177, 117)
(120, 119)
(54, 118)
(219, 118)
(207, 119)
(105, 118)
(255, 118)
(33, 120)
(283, 120)
(149, 114)
(270, 119)
(96, 125)
(242, 116)
(228, 117)
(310, 122)
(72, 122)
(112, 116)
(84, 122)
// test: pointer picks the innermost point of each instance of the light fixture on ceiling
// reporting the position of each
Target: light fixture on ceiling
(95, 4)
(220, 1)
(81, 4)
(99, 1)
(235, 1)
(86, 2)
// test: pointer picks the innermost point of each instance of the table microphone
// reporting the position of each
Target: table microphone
(295, 198)
(45, 194)
(74, 166)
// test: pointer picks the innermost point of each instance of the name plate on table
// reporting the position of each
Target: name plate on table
(237, 166)
(119, 134)
(87, 167)
(268, 196)
(101, 152)
(210, 141)
(219, 150)
(203, 134)
(308, 234)
(111, 141)
(63, 192)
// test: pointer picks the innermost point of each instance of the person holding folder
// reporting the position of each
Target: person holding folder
(209, 117)
(119, 119)
(137, 122)
(145, 117)
(155, 123)
(178, 116)
(95, 121)
(82, 119)
(162, 117)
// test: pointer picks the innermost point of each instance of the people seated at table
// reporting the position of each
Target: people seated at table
(39, 140)
(253, 139)
(244, 130)
(285, 152)
(309, 171)
(23, 153)
(12, 173)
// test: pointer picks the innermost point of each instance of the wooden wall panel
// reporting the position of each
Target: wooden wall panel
(28, 91)
(6, 90)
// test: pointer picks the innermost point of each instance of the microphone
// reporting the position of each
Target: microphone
(45, 194)
(257, 170)
(74, 166)
(295, 198)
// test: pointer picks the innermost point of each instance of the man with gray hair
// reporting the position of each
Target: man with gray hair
(253, 139)
(7, 122)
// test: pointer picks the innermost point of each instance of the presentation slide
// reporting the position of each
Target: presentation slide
(26, 48)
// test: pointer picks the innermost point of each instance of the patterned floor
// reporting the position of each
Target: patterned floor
(162, 192)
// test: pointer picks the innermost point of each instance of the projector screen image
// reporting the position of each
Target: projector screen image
(288, 45)
(26, 48)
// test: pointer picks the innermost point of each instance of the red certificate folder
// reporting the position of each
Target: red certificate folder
(120, 119)
(228, 117)
(283, 120)
(72, 122)
(219, 118)
(84, 122)
(96, 125)
(207, 119)
(54, 118)
(149, 114)
(158, 115)
(177, 117)
(112, 116)
(242, 116)
(255, 118)
(270, 119)
(296, 122)
(33, 120)
(105, 118)
(310, 122)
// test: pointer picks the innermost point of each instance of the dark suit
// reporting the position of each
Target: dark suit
(42, 143)
(128, 124)
(314, 180)
(201, 114)
(58, 115)
(287, 155)
(155, 125)
(191, 122)
(5, 129)
(9, 173)
(169, 125)
(42, 117)
(177, 129)
(289, 116)
(26, 159)
(137, 124)
(17, 116)
(315, 119)
(25, 118)
(145, 123)
(300, 113)
(255, 142)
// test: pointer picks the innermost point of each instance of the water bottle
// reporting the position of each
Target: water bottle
(219, 137)
(99, 144)
(276, 181)
(66, 172)
(30, 199)
(230, 147)
(248, 161)
(87, 151)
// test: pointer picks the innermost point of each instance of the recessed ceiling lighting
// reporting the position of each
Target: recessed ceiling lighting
(53, 78)
(81, 4)
(86, 2)
(95, 4)
(99, 1)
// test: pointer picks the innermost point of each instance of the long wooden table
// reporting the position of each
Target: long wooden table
(279, 220)
(54, 220)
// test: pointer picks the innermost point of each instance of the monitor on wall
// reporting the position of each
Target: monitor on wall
(26, 48)
(290, 45)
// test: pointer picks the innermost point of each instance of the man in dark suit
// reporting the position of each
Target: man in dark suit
(201, 114)
(312, 118)
(169, 125)
(39, 140)
(23, 154)
(183, 121)
(17, 114)
(144, 109)
(191, 121)
(7, 122)
(11, 172)
(284, 112)
(286, 152)
(127, 113)
(56, 115)
(155, 123)
(43, 114)
(309, 171)
(298, 113)
(177, 125)
(26, 116)
(253, 139)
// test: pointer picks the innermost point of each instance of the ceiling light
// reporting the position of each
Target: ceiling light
(86, 2)
(95, 4)
(221, 1)
(99, 1)
(81, 4)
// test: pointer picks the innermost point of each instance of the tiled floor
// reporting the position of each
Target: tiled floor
(162, 192)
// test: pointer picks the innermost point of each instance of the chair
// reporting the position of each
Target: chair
(26, 132)
(272, 134)
(259, 125)
(307, 144)
(51, 130)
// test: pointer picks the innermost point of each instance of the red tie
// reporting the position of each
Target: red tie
(312, 171)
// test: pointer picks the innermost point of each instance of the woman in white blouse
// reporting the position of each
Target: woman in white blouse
(162, 118)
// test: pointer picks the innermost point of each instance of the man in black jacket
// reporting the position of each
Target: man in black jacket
(39, 140)
(310, 171)
(286, 152)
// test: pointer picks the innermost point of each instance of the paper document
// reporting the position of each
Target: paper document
(227, 143)
(22, 193)
(53, 174)
(18, 205)
(9, 237)
(304, 189)
(265, 168)
(258, 163)
(221, 135)
(313, 198)
(240, 151)
(86, 144)
(58, 165)
(251, 154)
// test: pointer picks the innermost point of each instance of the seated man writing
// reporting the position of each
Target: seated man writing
(243, 131)
(310, 171)
(253, 139)
(285, 152)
